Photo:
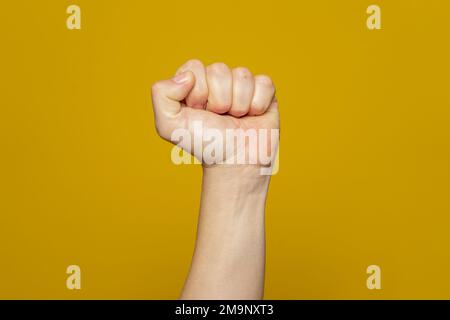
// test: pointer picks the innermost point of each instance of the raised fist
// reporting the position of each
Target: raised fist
(217, 98)
(230, 117)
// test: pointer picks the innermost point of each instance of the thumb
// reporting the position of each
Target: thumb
(167, 94)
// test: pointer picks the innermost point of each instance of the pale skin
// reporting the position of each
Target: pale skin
(229, 255)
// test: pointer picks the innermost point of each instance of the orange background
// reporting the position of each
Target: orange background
(365, 147)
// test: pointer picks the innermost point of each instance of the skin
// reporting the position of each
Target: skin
(229, 255)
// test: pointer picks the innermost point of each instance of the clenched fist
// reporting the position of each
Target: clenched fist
(215, 97)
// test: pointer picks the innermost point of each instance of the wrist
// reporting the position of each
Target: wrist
(236, 179)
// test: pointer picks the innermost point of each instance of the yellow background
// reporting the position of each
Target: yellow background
(365, 151)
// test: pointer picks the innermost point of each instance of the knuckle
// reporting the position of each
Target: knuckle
(239, 112)
(264, 80)
(218, 67)
(193, 63)
(222, 108)
(257, 108)
(219, 108)
(242, 72)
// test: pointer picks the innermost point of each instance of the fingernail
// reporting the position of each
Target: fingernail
(181, 78)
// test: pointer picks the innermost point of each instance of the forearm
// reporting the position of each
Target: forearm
(229, 256)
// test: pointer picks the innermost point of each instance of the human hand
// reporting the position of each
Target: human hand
(217, 98)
